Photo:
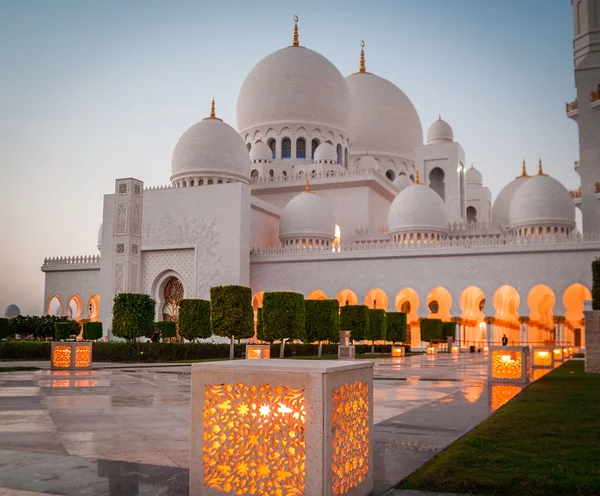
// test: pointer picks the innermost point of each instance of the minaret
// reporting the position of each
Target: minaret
(586, 54)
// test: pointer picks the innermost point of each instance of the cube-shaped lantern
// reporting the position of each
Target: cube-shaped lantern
(542, 357)
(346, 352)
(398, 351)
(571, 351)
(71, 355)
(455, 349)
(565, 353)
(281, 427)
(432, 350)
(557, 353)
(258, 351)
(509, 364)
(486, 349)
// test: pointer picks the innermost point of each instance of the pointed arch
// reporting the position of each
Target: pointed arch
(506, 318)
(54, 306)
(439, 303)
(347, 297)
(317, 294)
(376, 298)
(472, 304)
(93, 308)
(541, 302)
(573, 299)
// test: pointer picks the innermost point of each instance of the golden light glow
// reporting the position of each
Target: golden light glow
(507, 364)
(61, 356)
(539, 373)
(350, 421)
(502, 394)
(473, 393)
(486, 349)
(431, 350)
(258, 352)
(397, 351)
(542, 358)
(558, 353)
(254, 439)
(565, 353)
(83, 356)
(455, 349)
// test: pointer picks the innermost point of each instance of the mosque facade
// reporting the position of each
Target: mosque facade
(329, 188)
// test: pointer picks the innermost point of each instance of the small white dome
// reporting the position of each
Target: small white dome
(294, 85)
(12, 311)
(440, 132)
(418, 209)
(473, 176)
(366, 162)
(99, 245)
(211, 148)
(541, 201)
(402, 181)
(384, 120)
(307, 216)
(261, 151)
(325, 152)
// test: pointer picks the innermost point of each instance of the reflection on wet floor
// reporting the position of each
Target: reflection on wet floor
(126, 431)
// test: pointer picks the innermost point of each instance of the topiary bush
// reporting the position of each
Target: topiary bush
(395, 328)
(92, 331)
(4, 328)
(168, 328)
(596, 284)
(448, 330)
(232, 315)
(355, 318)
(284, 316)
(133, 316)
(431, 329)
(62, 330)
(194, 319)
(260, 327)
(322, 321)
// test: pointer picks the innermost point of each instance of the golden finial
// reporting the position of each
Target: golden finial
(362, 68)
(540, 168)
(296, 42)
(417, 178)
(366, 152)
(307, 190)
(524, 170)
(212, 113)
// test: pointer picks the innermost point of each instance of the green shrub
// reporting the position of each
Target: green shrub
(133, 316)
(35, 326)
(355, 318)
(431, 329)
(448, 330)
(62, 330)
(376, 329)
(596, 284)
(322, 320)
(4, 328)
(284, 315)
(92, 331)
(395, 327)
(260, 327)
(194, 319)
(167, 328)
(231, 311)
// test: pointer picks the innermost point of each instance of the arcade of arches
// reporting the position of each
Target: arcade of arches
(74, 307)
(483, 319)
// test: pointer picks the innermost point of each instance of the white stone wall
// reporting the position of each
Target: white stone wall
(67, 283)
(264, 229)
(480, 198)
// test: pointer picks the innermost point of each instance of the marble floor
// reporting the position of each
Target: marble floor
(125, 431)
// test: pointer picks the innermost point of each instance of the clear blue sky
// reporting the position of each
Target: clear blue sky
(95, 90)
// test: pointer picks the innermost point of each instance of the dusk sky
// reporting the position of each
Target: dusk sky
(95, 90)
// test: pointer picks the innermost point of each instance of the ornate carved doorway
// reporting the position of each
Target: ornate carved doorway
(172, 297)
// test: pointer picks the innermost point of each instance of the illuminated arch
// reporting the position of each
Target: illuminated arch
(347, 297)
(54, 306)
(317, 294)
(541, 301)
(506, 304)
(93, 308)
(376, 298)
(257, 301)
(442, 297)
(472, 303)
(407, 301)
(573, 299)
(74, 307)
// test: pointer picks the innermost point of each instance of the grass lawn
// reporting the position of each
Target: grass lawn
(17, 369)
(545, 442)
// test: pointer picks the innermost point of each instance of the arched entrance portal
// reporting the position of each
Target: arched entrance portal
(472, 304)
(407, 301)
(173, 294)
(94, 308)
(54, 306)
(573, 299)
(506, 318)
(439, 302)
(541, 319)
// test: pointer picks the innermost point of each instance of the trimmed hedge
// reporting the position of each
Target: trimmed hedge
(62, 330)
(396, 327)
(231, 311)
(322, 320)
(133, 316)
(596, 284)
(284, 315)
(355, 318)
(161, 352)
(35, 326)
(376, 329)
(4, 328)
(431, 329)
(92, 331)
(194, 319)
(448, 330)
(167, 328)
(260, 327)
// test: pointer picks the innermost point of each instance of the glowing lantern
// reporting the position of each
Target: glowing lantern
(455, 349)
(509, 364)
(268, 427)
(558, 354)
(398, 351)
(346, 351)
(71, 355)
(566, 354)
(486, 349)
(432, 350)
(543, 357)
(258, 351)
(571, 352)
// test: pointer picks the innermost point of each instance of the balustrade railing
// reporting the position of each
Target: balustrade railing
(74, 260)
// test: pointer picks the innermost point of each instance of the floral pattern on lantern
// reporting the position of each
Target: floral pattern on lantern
(61, 356)
(558, 354)
(350, 420)
(507, 364)
(254, 439)
(502, 394)
(83, 356)
(398, 351)
(542, 358)
(258, 351)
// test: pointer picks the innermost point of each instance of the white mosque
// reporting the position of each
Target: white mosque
(328, 188)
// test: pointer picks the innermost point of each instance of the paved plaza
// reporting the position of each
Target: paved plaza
(125, 430)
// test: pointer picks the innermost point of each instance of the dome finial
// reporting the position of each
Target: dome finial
(439, 117)
(540, 168)
(417, 178)
(212, 113)
(296, 42)
(362, 68)
(524, 170)
(307, 190)
(367, 151)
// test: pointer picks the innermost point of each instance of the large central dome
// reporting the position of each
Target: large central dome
(294, 85)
